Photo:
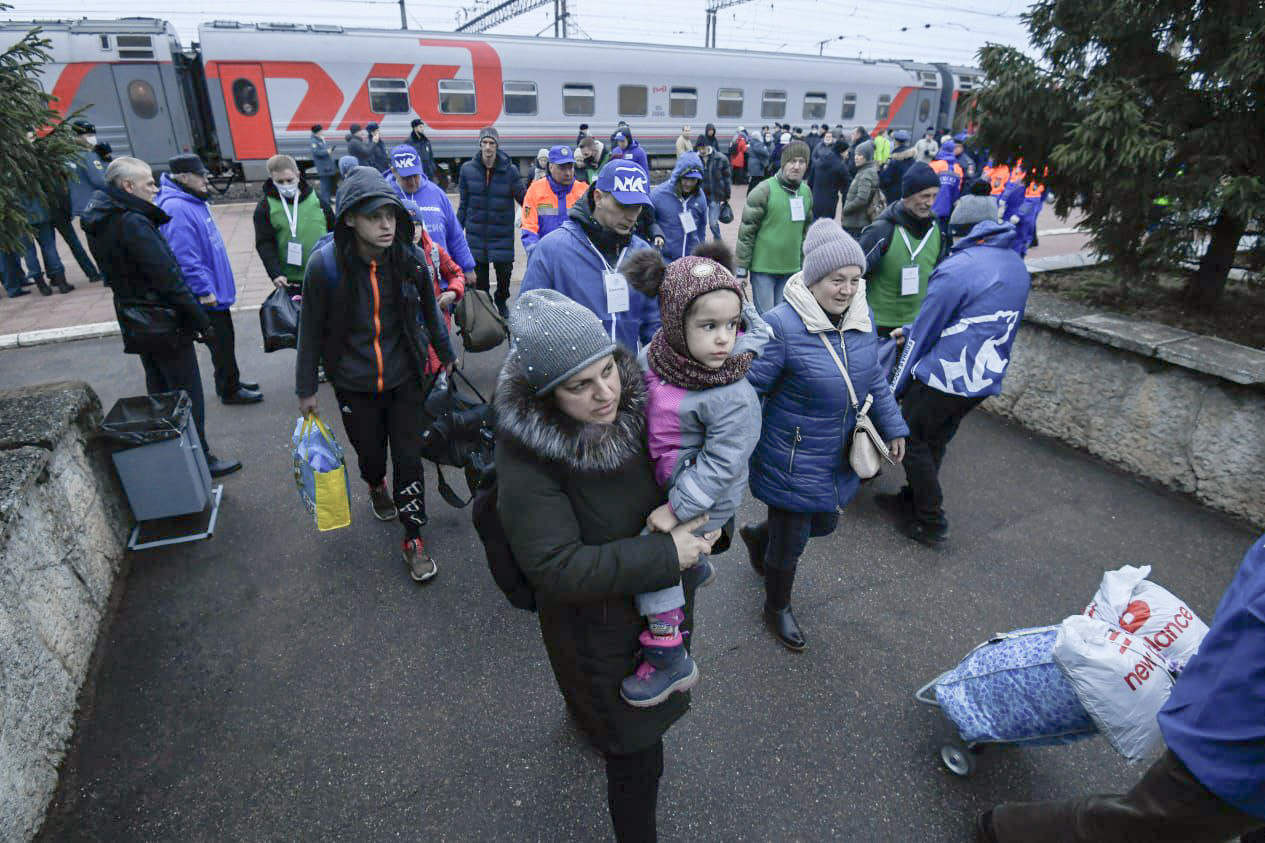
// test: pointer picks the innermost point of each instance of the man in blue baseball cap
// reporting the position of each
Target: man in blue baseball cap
(548, 200)
(582, 259)
(408, 179)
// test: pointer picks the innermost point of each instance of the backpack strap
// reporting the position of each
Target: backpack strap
(329, 262)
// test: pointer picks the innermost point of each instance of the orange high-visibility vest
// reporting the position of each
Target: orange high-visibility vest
(998, 177)
(938, 166)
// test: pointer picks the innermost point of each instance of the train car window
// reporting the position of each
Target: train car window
(105, 42)
(456, 96)
(577, 100)
(729, 102)
(520, 97)
(849, 106)
(245, 97)
(388, 96)
(134, 46)
(814, 106)
(633, 100)
(884, 107)
(683, 102)
(924, 111)
(773, 104)
(141, 95)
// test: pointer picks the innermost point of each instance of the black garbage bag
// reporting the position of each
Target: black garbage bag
(145, 419)
(279, 321)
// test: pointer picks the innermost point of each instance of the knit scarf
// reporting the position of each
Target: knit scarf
(668, 355)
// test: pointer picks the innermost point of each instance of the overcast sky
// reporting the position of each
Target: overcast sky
(927, 30)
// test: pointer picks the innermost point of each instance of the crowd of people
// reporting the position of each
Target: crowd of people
(654, 378)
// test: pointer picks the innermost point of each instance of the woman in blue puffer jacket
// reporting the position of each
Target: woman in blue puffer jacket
(800, 467)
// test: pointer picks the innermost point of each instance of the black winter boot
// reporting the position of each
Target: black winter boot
(777, 608)
(756, 538)
(59, 282)
(42, 286)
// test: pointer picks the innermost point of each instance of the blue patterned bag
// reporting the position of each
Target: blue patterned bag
(1010, 690)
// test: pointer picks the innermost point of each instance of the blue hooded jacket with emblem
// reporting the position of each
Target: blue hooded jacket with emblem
(566, 260)
(950, 182)
(800, 464)
(196, 242)
(668, 207)
(960, 343)
(438, 218)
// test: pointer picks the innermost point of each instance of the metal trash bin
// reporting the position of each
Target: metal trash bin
(161, 465)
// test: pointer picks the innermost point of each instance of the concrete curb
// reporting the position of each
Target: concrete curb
(45, 336)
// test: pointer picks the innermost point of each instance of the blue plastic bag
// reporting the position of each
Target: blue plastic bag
(1010, 690)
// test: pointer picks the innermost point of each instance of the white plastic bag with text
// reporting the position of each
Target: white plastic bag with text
(1128, 600)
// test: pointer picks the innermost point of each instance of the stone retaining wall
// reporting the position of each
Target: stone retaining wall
(1176, 407)
(63, 527)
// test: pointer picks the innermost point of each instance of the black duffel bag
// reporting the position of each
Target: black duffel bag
(279, 321)
(457, 431)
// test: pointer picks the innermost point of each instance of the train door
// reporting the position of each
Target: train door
(146, 111)
(249, 120)
(926, 110)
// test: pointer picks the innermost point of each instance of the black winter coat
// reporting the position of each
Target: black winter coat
(573, 500)
(421, 143)
(830, 179)
(486, 211)
(717, 178)
(134, 256)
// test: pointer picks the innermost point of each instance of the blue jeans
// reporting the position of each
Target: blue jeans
(767, 289)
(328, 186)
(11, 272)
(713, 218)
(47, 240)
(789, 533)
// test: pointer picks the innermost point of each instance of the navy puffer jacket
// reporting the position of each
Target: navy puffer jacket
(799, 464)
(486, 211)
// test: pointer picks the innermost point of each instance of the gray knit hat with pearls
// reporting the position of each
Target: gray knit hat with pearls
(828, 247)
(554, 337)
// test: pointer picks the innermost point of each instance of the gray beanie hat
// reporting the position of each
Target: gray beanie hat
(865, 150)
(828, 247)
(554, 337)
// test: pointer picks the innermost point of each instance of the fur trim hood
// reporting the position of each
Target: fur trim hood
(535, 424)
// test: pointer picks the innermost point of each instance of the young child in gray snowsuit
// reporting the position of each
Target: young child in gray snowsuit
(703, 421)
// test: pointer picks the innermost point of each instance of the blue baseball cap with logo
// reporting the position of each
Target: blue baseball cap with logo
(405, 161)
(626, 181)
(561, 155)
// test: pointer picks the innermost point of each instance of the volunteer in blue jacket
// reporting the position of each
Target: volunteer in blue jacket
(800, 467)
(581, 259)
(1210, 783)
(955, 355)
(199, 249)
(681, 207)
(408, 179)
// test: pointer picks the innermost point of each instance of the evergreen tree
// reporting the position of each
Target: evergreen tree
(1134, 102)
(35, 143)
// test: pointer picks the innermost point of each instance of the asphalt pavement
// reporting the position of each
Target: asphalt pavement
(276, 683)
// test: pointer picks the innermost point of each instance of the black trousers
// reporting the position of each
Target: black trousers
(933, 417)
(375, 421)
(632, 793)
(223, 352)
(483, 278)
(179, 370)
(61, 221)
(1169, 804)
(789, 533)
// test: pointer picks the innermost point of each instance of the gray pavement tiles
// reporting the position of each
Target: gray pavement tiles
(275, 683)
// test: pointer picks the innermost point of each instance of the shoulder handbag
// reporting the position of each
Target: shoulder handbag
(878, 202)
(149, 327)
(867, 450)
(482, 326)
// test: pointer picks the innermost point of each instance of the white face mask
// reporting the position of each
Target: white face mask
(91, 140)
(289, 191)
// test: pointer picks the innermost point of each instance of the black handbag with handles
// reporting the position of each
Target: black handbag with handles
(482, 326)
(150, 327)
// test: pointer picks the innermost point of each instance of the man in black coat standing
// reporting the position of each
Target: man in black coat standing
(122, 226)
(418, 140)
(490, 184)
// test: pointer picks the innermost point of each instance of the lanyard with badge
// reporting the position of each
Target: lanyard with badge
(616, 286)
(294, 249)
(909, 279)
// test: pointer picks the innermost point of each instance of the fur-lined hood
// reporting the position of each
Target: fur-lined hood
(535, 423)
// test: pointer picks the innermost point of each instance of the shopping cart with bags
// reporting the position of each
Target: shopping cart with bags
(1007, 690)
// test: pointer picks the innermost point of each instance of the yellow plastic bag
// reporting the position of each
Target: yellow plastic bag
(321, 474)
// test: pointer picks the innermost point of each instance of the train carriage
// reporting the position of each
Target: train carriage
(247, 91)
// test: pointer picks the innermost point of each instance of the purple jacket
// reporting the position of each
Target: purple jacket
(635, 152)
(196, 242)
